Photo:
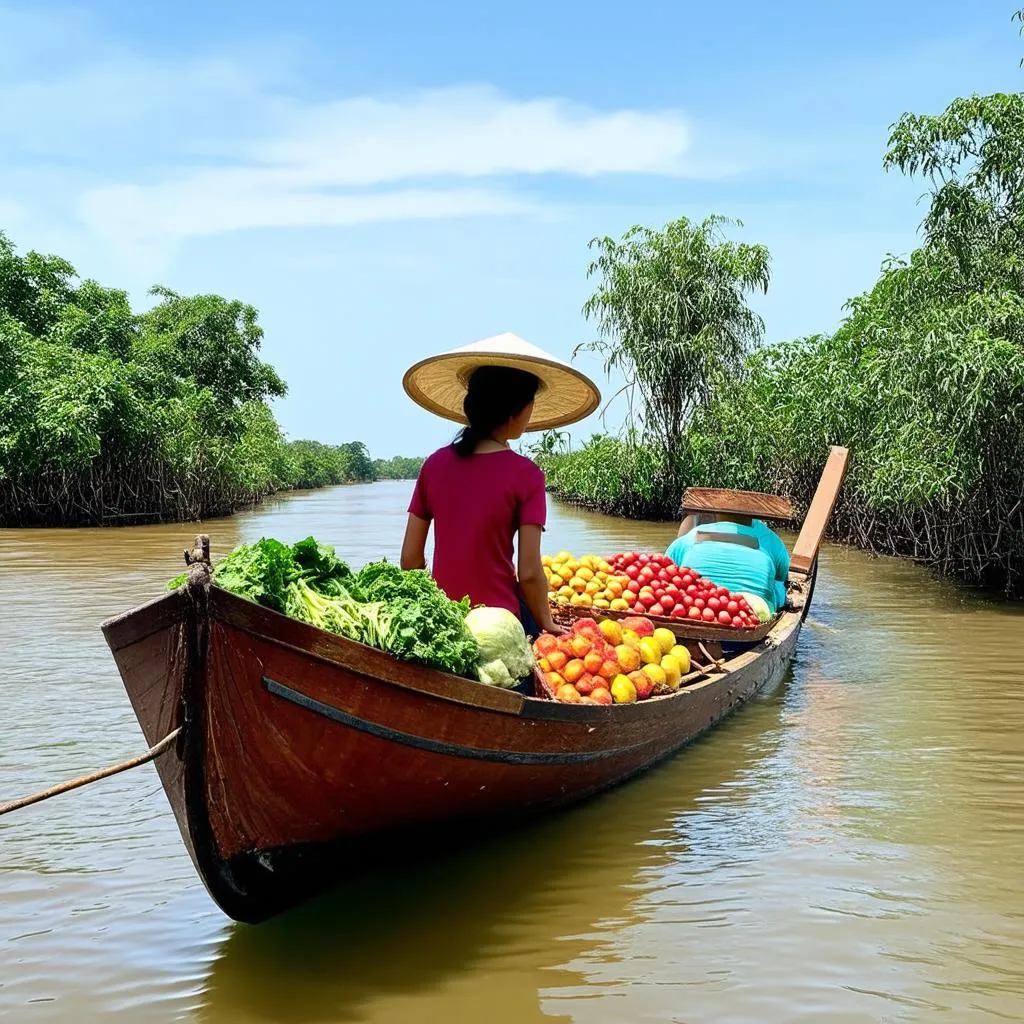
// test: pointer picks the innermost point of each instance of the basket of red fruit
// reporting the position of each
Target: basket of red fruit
(681, 600)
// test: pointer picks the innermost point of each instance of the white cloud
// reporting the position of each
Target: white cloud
(210, 204)
(362, 145)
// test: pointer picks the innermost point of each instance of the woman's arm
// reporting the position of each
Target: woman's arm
(532, 584)
(414, 545)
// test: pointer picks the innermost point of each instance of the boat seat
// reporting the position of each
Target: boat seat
(744, 503)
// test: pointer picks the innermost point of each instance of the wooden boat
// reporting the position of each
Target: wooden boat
(303, 756)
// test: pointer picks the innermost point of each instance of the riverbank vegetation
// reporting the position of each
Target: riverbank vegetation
(398, 467)
(923, 380)
(108, 416)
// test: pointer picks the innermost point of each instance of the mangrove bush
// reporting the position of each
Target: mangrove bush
(108, 416)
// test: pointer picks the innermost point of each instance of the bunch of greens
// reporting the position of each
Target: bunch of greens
(411, 618)
(403, 613)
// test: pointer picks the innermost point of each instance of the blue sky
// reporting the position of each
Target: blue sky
(389, 180)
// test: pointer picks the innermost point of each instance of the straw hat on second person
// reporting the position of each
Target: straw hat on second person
(439, 383)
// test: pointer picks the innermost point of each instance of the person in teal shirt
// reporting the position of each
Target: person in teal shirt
(755, 562)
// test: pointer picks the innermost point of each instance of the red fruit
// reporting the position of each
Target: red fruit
(638, 607)
(632, 571)
(738, 623)
(687, 601)
(714, 604)
(640, 626)
(732, 607)
(601, 695)
(544, 645)
(588, 627)
(643, 683)
(722, 592)
(646, 601)
(628, 558)
(698, 603)
(679, 612)
(724, 618)
(586, 684)
(664, 575)
(656, 609)
(678, 580)
(687, 579)
(691, 589)
(707, 615)
(744, 607)
(668, 602)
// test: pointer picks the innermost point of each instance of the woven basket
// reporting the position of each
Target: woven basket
(686, 629)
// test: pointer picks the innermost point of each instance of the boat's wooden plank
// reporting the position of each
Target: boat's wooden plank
(746, 503)
(805, 551)
(151, 617)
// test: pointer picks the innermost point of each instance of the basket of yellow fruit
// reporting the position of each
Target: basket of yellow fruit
(586, 582)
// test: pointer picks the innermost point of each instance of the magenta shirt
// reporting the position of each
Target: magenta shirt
(477, 505)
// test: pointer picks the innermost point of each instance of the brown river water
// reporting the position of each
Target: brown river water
(848, 847)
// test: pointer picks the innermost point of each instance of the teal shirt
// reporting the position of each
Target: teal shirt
(761, 571)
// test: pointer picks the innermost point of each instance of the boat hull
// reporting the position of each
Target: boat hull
(305, 756)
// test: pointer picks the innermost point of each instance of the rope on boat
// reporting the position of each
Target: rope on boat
(84, 780)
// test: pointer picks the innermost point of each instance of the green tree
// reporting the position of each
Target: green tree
(672, 315)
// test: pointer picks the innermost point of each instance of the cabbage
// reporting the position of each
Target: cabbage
(758, 605)
(505, 654)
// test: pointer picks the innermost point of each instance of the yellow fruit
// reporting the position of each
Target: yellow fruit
(584, 573)
(682, 655)
(562, 599)
(655, 673)
(612, 631)
(576, 599)
(545, 560)
(604, 566)
(631, 639)
(650, 652)
(572, 565)
(593, 588)
(618, 605)
(623, 691)
(602, 603)
(577, 584)
(673, 672)
(614, 588)
(628, 657)
(585, 600)
(666, 639)
(566, 591)
(562, 556)
(555, 581)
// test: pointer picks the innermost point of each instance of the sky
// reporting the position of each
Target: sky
(386, 181)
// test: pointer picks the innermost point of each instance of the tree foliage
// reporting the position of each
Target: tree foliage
(672, 315)
(923, 380)
(109, 416)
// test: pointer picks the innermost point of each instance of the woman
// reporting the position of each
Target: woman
(481, 496)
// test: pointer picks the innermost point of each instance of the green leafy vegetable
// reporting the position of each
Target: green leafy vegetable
(403, 613)
(260, 572)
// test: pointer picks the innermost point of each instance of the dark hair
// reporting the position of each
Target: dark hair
(495, 394)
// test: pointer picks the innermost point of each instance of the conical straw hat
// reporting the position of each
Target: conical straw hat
(439, 383)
